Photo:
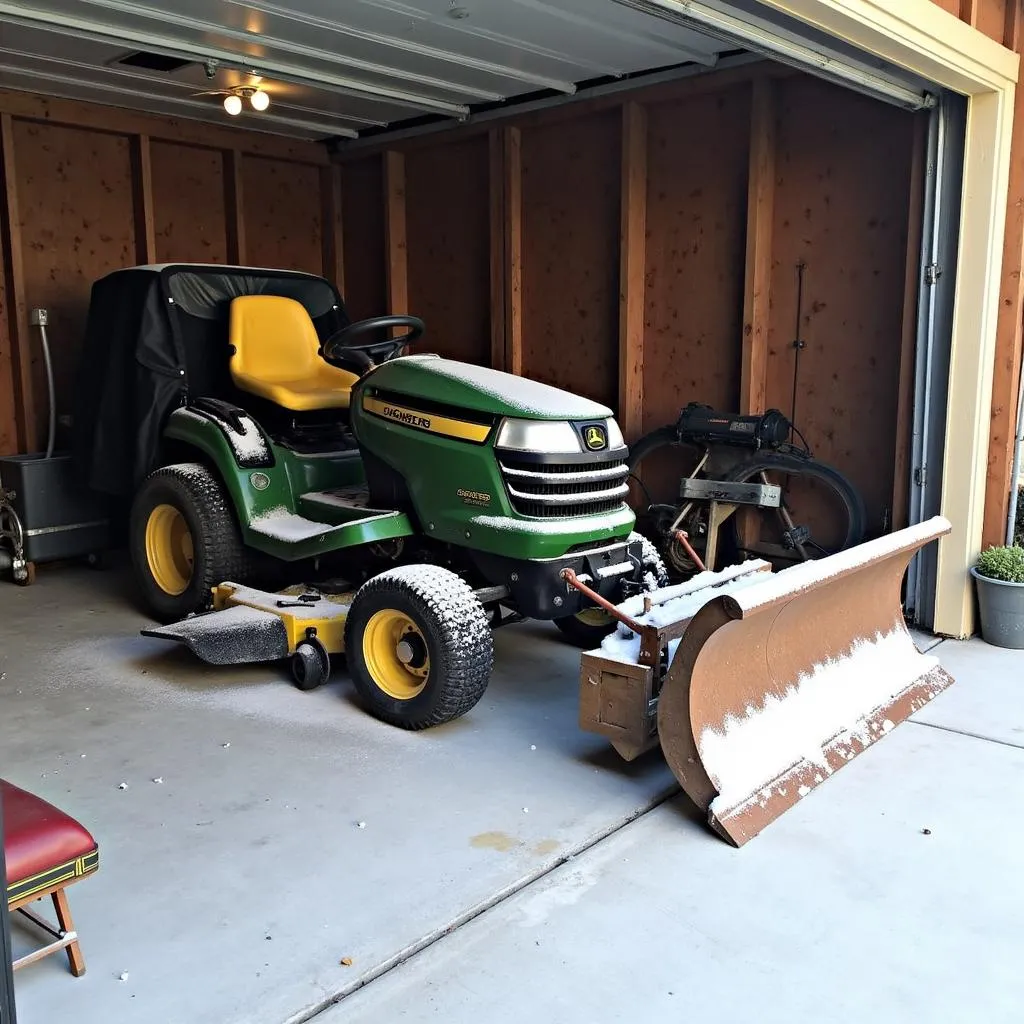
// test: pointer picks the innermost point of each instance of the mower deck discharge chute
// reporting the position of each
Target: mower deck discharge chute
(760, 685)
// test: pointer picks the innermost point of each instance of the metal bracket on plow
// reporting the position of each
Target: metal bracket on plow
(619, 700)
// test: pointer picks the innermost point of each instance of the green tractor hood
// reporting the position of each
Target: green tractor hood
(479, 389)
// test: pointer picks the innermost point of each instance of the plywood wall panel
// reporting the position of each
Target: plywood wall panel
(362, 216)
(8, 419)
(696, 236)
(188, 203)
(991, 17)
(570, 196)
(841, 207)
(447, 223)
(953, 6)
(281, 203)
(75, 194)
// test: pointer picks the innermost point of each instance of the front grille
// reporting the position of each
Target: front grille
(550, 490)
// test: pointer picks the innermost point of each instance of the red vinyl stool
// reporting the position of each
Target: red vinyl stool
(46, 850)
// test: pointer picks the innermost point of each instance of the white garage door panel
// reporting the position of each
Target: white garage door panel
(335, 68)
(745, 25)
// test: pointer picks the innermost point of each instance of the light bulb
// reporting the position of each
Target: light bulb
(233, 104)
(259, 100)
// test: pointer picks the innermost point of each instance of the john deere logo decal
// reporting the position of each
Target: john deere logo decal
(595, 438)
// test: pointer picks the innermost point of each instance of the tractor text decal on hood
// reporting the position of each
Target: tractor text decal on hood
(419, 420)
(410, 418)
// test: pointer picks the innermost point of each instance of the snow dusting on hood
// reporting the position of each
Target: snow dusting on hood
(531, 396)
(487, 389)
(832, 701)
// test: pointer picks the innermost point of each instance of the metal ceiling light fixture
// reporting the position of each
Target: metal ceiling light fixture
(780, 46)
(234, 97)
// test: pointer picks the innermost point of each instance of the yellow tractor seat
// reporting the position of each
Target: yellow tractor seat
(276, 356)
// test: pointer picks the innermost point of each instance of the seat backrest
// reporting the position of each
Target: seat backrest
(273, 338)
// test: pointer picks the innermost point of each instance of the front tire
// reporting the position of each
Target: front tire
(587, 628)
(419, 646)
(183, 540)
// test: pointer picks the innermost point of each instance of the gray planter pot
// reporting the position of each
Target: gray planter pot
(1002, 611)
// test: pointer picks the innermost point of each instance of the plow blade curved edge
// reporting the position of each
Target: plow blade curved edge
(776, 687)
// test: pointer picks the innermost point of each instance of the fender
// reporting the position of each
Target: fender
(244, 459)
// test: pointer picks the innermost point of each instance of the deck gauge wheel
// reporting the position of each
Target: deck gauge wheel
(311, 664)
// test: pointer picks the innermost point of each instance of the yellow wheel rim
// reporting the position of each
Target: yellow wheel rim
(169, 549)
(594, 617)
(395, 653)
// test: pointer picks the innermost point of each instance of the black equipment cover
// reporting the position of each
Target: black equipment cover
(157, 338)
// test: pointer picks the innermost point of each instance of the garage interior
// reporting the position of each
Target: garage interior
(631, 207)
(558, 205)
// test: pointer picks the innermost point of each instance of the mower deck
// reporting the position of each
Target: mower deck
(248, 626)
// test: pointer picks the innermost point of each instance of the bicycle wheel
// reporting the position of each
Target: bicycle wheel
(657, 463)
(821, 512)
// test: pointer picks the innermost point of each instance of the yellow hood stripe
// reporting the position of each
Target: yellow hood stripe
(419, 420)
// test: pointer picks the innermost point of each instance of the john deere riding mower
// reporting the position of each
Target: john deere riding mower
(397, 507)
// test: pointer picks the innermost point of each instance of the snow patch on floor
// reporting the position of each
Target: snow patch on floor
(834, 700)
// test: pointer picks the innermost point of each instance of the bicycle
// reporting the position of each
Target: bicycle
(746, 481)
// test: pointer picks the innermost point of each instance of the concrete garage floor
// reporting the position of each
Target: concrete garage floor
(491, 880)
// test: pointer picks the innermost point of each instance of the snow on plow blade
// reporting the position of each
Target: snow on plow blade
(777, 685)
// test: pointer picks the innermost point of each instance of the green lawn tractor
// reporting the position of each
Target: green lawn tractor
(397, 508)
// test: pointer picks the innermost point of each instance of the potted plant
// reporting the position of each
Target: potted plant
(999, 576)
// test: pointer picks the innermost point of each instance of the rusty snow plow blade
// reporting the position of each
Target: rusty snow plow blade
(777, 685)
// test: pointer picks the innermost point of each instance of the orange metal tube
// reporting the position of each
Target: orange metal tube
(573, 580)
(684, 540)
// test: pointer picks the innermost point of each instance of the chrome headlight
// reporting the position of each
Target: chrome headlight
(553, 437)
(615, 438)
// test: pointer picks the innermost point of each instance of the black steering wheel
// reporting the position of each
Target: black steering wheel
(344, 349)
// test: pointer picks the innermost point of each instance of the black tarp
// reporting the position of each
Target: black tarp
(157, 338)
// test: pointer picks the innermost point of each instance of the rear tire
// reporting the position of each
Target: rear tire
(419, 646)
(183, 541)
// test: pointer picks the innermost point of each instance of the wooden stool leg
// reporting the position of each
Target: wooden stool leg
(75, 959)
